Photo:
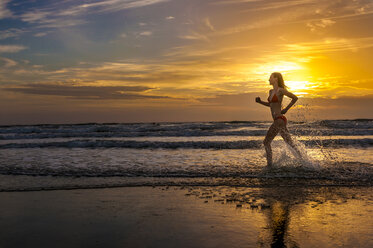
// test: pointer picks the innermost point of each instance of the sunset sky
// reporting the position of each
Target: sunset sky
(182, 60)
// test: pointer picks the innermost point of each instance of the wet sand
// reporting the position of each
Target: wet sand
(188, 217)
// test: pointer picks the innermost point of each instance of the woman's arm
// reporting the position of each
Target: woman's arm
(293, 97)
(258, 100)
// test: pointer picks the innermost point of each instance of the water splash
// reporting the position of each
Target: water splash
(305, 118)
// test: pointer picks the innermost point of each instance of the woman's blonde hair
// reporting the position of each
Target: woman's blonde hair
(280, 79)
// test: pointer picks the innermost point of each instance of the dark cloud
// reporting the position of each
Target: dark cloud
(239, 99)
(85, 92)
(144, 77)
(314, 108)
(243, 99)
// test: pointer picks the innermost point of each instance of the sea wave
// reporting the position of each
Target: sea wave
(341, 173)
(195, 129)
(180, 133)
(240, 144)
(347, 124)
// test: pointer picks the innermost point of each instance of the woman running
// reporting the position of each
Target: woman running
(279, 120)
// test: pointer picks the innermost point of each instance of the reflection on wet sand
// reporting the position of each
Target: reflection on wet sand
(278, 222)
(278, 216)
(305, 216)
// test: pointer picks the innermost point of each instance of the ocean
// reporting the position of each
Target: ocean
(335, 152)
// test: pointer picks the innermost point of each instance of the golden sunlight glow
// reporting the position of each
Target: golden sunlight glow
(297, 87)
(294, 74)
(279, 66)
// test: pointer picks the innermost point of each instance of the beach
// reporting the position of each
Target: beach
(192, 216)
(201, 184)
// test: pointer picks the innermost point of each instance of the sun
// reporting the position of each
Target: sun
(297, 76)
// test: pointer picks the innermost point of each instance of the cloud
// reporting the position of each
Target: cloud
(9, 62)
(207, 52)
(194, 36)
(108, 71)
(41, 34)
(146, 33)
(320, 24)
(36, 16)
(170, 18)
(49, 19)
(4, 11)
(330, 45)
(294, 11)
(277, 19)
(11, 48)
(225, 2)
(270, 5)
(59, 22)
(110, 6)
(86, 92)
(52, 17)
(208, 24)
(173, 79)
(9, 33)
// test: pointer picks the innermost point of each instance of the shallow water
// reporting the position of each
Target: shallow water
(334, 152)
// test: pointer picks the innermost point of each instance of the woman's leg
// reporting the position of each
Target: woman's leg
(271, 134)
(284, 132)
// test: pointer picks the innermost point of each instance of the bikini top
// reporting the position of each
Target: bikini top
(274, 98)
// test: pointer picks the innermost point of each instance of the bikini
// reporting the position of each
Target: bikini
(275, 99)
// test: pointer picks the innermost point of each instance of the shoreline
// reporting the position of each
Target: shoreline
(26, 183)
(180, 186)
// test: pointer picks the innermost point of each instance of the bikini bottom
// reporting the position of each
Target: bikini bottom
(282, 117)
